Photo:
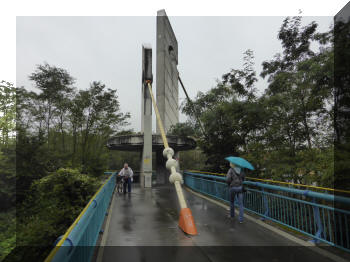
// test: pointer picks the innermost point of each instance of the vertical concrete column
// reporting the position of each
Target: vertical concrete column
(177, 157)
(162, 173)
(146, 119)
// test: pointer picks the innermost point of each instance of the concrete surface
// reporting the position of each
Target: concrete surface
(143, 227)
(135, 143)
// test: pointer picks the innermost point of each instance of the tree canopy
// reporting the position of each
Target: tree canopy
(287, 132)
(56, 158)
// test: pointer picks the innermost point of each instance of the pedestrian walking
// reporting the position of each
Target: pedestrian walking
(234, 178)
(127, 174)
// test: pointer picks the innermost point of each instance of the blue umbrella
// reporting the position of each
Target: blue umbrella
(240, 162)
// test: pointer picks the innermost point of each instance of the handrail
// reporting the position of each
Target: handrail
(324, 222)
(65, 236)
(308, 193)
(277, 182)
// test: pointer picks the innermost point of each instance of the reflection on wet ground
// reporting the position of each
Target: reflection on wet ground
(143, 227)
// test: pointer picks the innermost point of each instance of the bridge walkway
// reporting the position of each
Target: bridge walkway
(143, 226)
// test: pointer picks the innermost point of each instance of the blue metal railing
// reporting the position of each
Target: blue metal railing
(81, 240)
(310, 213)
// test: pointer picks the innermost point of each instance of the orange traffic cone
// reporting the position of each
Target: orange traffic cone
(186, 222)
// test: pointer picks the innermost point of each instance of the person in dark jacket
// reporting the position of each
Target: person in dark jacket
(234, 178)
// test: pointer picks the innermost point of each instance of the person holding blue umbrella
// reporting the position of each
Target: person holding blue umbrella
(234, 178)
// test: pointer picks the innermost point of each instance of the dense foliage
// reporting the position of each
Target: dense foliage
(287, 132)
(56, 158)
(7, 168)
(342, 102)
(53, 204)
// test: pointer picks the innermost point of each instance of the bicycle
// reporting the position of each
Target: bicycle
(120, 184)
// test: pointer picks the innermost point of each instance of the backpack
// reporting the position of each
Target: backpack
(234, 179)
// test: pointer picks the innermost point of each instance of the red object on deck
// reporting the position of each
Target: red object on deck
(186, 222)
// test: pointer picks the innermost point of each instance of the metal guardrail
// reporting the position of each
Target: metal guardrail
(78, 243)
(136, 176)
(310, 213)
(325, 189)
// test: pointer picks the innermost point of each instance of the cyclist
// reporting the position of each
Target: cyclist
(127, 174)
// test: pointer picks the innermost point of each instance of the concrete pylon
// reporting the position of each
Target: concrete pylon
(167, 72)
(167, 84)
(146, 119)
(167, 104)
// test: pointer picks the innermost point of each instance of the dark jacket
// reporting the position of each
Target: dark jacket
(233, 179)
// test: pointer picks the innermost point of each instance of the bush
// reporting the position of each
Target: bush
(7, 232)
(55, 202)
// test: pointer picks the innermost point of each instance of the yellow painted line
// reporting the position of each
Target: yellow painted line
(277, 182)
(204, 172)
(301, 185)
(59, 244)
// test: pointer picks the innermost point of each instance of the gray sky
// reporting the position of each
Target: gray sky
(108, 49)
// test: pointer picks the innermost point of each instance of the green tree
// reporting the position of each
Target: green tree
(341, 102)
(186, 129)
(7, 167)
(299, 97)
(59, 198)
(101, 118)
(60, 133)
(288, 129)
(230, 114)
(7, 146)
(55, 84)
(7, 111)
(299, 76)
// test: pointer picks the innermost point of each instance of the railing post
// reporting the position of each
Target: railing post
(266, 205)
(317, 218)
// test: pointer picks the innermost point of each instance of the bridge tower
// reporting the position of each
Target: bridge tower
(167, 102)
(167, 85)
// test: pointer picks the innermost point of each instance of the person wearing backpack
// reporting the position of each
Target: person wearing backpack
(234, 178)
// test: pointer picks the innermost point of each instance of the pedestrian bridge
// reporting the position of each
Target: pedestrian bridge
(282, 223)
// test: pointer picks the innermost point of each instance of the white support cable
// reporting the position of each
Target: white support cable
(175, 177)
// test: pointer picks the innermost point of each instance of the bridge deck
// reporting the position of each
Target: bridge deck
(143, 227)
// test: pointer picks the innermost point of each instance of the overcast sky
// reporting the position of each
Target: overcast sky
(108, 49)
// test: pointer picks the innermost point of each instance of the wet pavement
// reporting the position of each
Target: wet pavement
(144, 227)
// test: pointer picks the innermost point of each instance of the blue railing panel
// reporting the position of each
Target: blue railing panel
(79, 246)
(305, 211)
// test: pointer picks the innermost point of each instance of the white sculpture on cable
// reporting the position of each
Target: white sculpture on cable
(186, 221)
